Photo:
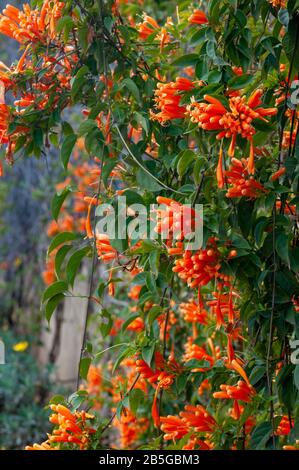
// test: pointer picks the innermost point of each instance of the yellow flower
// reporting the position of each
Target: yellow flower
(21, 347)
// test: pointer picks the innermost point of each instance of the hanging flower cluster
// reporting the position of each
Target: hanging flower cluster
(168, 100)
(238, 120)
(173, 326)
(72, 429)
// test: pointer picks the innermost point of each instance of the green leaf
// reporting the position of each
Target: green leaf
(57, 399)
(151, 282)
(185, 161)
(61, 238)
(148, 353)
(245, 213)
(79, 80)
(67, 148)
(63, 23)
(120, 358)
(143, 121)
(258, 372)
(154, 312)
(198, 37)
(128, 322)
(282, 247)
(132, 87)
(55, 288)
(107, 169)
(51, 305)
(236, 83)
(211, 49)
(74, 264)
(283, 16)
(296, 376)
(84, 367)
(58, 200)
(106, 323)
(87, 126)
(186, 60)
(260, 435)
(146, 181)
(136, 398)
(60, 257)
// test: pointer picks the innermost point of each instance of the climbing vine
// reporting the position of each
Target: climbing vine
(188, 110)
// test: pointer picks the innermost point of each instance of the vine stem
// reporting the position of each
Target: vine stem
(94, 252)
(91, 282)
(164, 347)
(140, 164)
(271, 332)
(114, 414)
(271, 326)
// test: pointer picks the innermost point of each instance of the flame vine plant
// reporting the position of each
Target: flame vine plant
(188, 103)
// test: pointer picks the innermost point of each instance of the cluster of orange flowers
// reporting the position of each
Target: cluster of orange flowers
(278, 3)
(199, 268)
(238, 120)
(241, 392)
(242, 183)
(198, 17)
(71, 428)
(54, 69)
(175, 221)
(168, 100)
(192, 421)
(162, 377)
(149, 27)
(129, 427)
(200, 353)
(31, 25)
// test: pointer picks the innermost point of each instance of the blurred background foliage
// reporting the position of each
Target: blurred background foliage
(25, 196)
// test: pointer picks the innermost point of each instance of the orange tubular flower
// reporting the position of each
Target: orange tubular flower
(94, 380)
(31, 25)
(4, 122)
(175, 222)
(168, 98)
(242, 184)
(222, 307)
(134, 292)
(193, 419)
(285, 426)
(198, 17)
(204, 386)
(292, 447)
(213, 116)
(130, 428)
(278, 3)
(197, 444)
(147, 27)
(194, 351)
(241, 392)
(105, 251)
(165, 380)
(219, 172)
(198, 418)
(278, 174)
(174, 427)
(199, 268)
(159, 377)
(194, 312)
(71, 429)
